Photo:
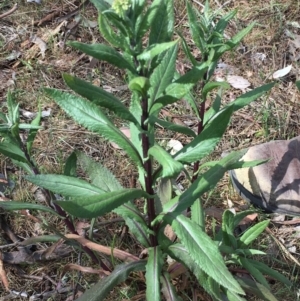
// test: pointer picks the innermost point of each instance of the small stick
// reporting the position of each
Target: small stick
(14, 8)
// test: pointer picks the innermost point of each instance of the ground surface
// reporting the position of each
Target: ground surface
(26, 67)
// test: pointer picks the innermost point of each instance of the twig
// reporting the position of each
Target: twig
(14, 8)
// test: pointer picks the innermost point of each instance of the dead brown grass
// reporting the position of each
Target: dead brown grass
(275, 116)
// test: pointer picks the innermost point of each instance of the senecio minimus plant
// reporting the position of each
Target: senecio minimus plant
(141, 40)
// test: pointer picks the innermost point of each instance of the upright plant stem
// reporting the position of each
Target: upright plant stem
(148, 169)
(201, 215)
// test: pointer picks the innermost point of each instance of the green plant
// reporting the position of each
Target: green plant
(154, 83)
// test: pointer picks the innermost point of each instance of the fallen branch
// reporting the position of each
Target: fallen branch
(102, 249)
(14, 8)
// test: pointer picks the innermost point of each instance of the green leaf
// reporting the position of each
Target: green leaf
(139, 84)
(205, 143)
(238, 217)
(241, 34)
(223, 22)
(65, 185)
(243, 164)
(205, 182)
(213, 110)
(172, 126)
(90, 116)
(233, 42)
(197, 33)
(256, 289)
(228, 228)
(203, 250)
(183, 84)
(181, 254)
(163, 74)
(233, 297)
(100, 290)
(268, 271)
(198, 214)
(170, 167)
(143, 26)
(98, 205)
(252, 233)
(254, 271)
(298, 84)
(14, 205)
(12, 151)
(162, 25)
(101, 5)
(99, 97)
(154, 50)
(70, 165)
(104, 53)
(109, 35)
(186, 49)
(98, 174)
(248, 97)
(168, 288)
(135, 221)
(212, 85)
(164, 193)
(153, 272)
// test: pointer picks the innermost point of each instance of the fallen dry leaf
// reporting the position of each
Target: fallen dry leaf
(282, 72)
(40, 43)
(238, 82)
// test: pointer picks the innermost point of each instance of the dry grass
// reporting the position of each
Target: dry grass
(274, 116)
